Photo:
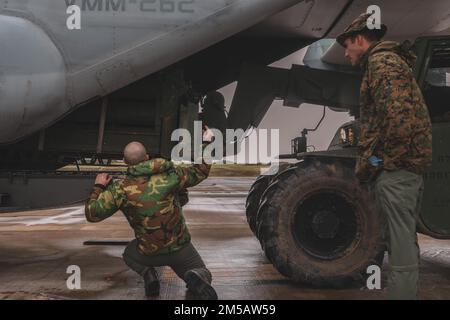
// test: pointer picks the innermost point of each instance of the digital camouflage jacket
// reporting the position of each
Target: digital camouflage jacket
(148, 197)
(395, 123)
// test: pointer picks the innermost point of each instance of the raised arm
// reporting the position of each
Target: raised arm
(192, 175)
(103, 201)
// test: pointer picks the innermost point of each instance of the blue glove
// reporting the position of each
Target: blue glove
(374, 161)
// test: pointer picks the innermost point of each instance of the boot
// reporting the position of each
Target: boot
(151, 282)
(199, 285)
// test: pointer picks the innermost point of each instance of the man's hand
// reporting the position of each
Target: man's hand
(365, 171)
(208, 135)
(103, 179)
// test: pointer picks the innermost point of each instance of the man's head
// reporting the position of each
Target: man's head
(357, 38)
(357, 45)
(135, 153)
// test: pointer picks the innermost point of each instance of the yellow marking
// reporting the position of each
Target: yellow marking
(132, 190)
(108, 200)
(147, 250)
(154, 183)
(168, 209)
(136, 204)
(146, 223)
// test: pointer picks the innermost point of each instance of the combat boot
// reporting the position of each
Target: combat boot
(151, 282)
(199, 284)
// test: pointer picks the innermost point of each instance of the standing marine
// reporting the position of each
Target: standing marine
(150, 199)
(395, 145)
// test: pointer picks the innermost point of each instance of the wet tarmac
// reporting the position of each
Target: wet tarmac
(37, 247)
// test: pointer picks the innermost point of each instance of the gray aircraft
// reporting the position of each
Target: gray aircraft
(81, 78)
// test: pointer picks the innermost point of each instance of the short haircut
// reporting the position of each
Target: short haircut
(369, 35)
(134, 153)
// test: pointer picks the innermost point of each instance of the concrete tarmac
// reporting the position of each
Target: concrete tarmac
(37, 247)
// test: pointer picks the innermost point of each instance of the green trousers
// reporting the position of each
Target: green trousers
(399, 197)
(181, 261)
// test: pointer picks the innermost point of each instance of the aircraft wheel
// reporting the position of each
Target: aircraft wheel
(318, 225)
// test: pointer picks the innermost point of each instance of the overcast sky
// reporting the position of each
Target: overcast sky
(291, 121)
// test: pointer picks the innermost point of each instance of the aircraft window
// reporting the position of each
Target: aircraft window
(345, 137)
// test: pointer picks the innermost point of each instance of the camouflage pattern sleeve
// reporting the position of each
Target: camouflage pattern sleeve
(183, 197)
(192, 175)
(157, 165)
(102, 204)
(395, 122)
(390, 80)
(389, 84)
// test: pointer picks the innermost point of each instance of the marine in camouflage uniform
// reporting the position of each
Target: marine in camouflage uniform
(395, 145)
(151, 198)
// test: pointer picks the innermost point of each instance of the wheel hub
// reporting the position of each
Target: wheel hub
(325, 224)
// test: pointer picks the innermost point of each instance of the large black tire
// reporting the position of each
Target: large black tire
(256, 191)
(253, 199)
(318, 225)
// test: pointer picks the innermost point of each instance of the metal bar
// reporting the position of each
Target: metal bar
(101, 127)
(105, 243)
(41, 142)
(338, 18)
